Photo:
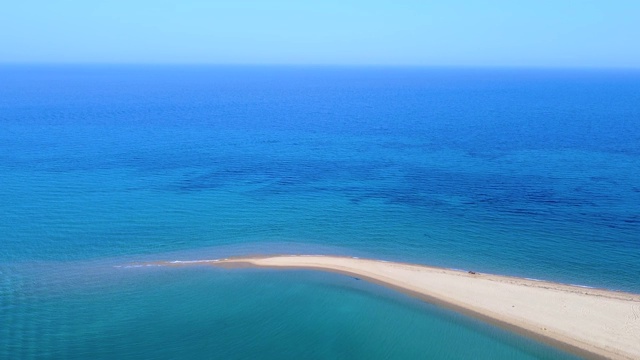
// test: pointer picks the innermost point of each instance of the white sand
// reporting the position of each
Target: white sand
(591, 322)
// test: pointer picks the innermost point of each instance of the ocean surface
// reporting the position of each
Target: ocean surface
(525, 172)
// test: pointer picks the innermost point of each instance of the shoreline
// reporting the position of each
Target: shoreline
(589, 322)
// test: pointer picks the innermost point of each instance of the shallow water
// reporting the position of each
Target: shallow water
(204, 312)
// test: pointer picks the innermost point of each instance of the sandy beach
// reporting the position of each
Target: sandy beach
(592, 323)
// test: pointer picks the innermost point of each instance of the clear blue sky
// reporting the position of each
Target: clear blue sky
(563, 33)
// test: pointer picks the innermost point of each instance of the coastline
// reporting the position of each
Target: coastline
(592, 323)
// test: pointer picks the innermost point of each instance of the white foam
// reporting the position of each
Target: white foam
(192, 261)
(133, 266)
(583, 286)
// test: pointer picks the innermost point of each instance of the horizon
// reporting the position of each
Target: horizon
(318, 66)
(467, 34)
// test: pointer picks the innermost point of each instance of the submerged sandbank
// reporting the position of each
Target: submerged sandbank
(592, 323)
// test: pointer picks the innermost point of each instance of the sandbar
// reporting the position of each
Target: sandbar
(592, 323)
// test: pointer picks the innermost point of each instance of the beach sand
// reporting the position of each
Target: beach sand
(592, 323)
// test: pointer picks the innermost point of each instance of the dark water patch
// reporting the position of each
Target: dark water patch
(500, 167)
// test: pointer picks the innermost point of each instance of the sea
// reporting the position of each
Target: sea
(532, 173)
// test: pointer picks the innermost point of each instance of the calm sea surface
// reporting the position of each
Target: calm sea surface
(532, 173)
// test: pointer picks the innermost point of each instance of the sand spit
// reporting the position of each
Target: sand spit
(590, 322)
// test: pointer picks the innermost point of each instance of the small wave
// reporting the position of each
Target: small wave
(193, 261)
(583, 286)
(134, 266)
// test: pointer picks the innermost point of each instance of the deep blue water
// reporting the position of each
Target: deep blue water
(532, 173)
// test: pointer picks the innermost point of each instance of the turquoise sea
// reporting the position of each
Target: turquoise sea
(524, 172)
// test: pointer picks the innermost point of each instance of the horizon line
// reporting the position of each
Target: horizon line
(323, 65)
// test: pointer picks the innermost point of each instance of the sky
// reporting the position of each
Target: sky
(530, 33)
